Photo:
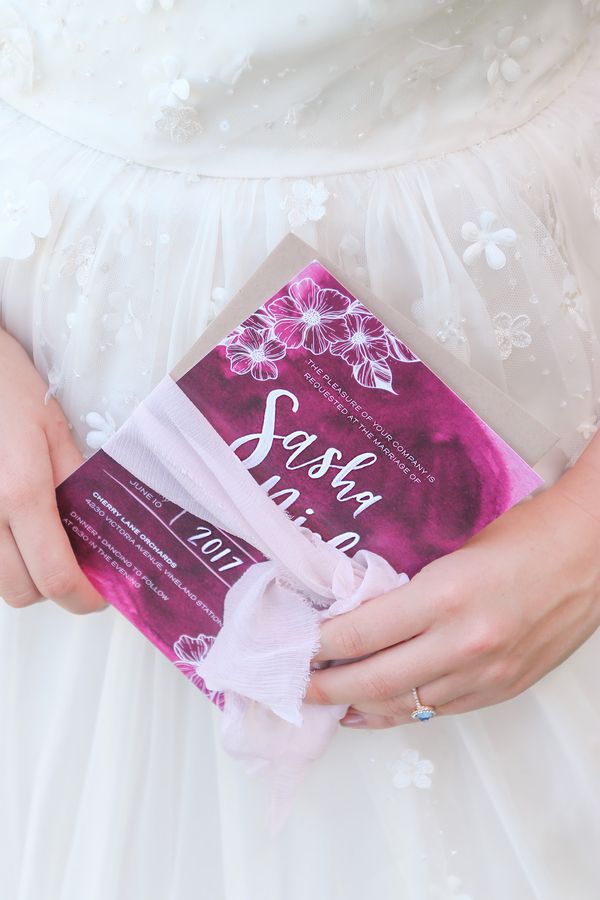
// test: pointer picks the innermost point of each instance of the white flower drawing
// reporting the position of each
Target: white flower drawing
(320, 320)
(24, 212)
(411, 769)
(485, 239)
(503, 56)
(511, 333)
(366, 340)
(102, 427)
(306, 202)
(310, 316)
(190, 651)
(255, 352)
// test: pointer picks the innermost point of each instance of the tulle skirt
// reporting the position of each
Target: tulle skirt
(113, 785)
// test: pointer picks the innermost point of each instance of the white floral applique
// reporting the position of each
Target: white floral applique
(451, 332)
(174, 88)
(24, 212)
(180, 124)
(102, 427)
(595, 195)
(54, 380)
(58, 25)
(146, 6)
(77, 260)
(306, 202)
(511, 333)
(487, 240)
(16, 57)
(588, 427)
(450, 329)
(176, 119)
(503, 56)
(122, 325)
(411, 769)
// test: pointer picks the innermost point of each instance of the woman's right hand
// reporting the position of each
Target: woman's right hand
(37, 452)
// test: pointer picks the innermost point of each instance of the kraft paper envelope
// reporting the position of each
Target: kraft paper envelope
(528, 437)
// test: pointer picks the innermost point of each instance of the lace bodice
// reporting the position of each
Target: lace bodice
(256, 87)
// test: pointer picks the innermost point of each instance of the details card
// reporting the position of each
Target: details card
(339, 422)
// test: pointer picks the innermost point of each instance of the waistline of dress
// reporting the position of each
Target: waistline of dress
(272, 160)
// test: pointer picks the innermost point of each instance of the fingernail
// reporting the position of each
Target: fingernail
(320, 664)
(353, 718)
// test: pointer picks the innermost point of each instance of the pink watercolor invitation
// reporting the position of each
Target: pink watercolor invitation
(339, 422)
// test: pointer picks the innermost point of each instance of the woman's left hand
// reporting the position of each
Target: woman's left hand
(480, 625)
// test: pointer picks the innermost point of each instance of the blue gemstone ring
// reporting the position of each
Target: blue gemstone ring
(422, 713)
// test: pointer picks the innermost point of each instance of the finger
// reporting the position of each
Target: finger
(65, 457)
(378, 623)
(386, 674)
(16, 585)
(48, 555)
(441, 694)
(43, 543)
(437, 693)
(469, 703)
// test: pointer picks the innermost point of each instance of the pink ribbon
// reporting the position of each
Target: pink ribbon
(261, 657)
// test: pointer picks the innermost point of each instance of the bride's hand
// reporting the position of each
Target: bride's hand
(482, 624)
(36, 453)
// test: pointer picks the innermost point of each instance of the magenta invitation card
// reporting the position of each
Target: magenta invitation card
(340, 424)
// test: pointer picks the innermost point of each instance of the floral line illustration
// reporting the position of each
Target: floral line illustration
(320, 320)
(190, 651)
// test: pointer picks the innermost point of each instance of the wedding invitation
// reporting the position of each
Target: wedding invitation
(341, 422)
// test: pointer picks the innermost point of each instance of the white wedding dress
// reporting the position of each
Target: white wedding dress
(447, 152)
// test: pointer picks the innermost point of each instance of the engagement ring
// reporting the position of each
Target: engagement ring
(422, 713)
